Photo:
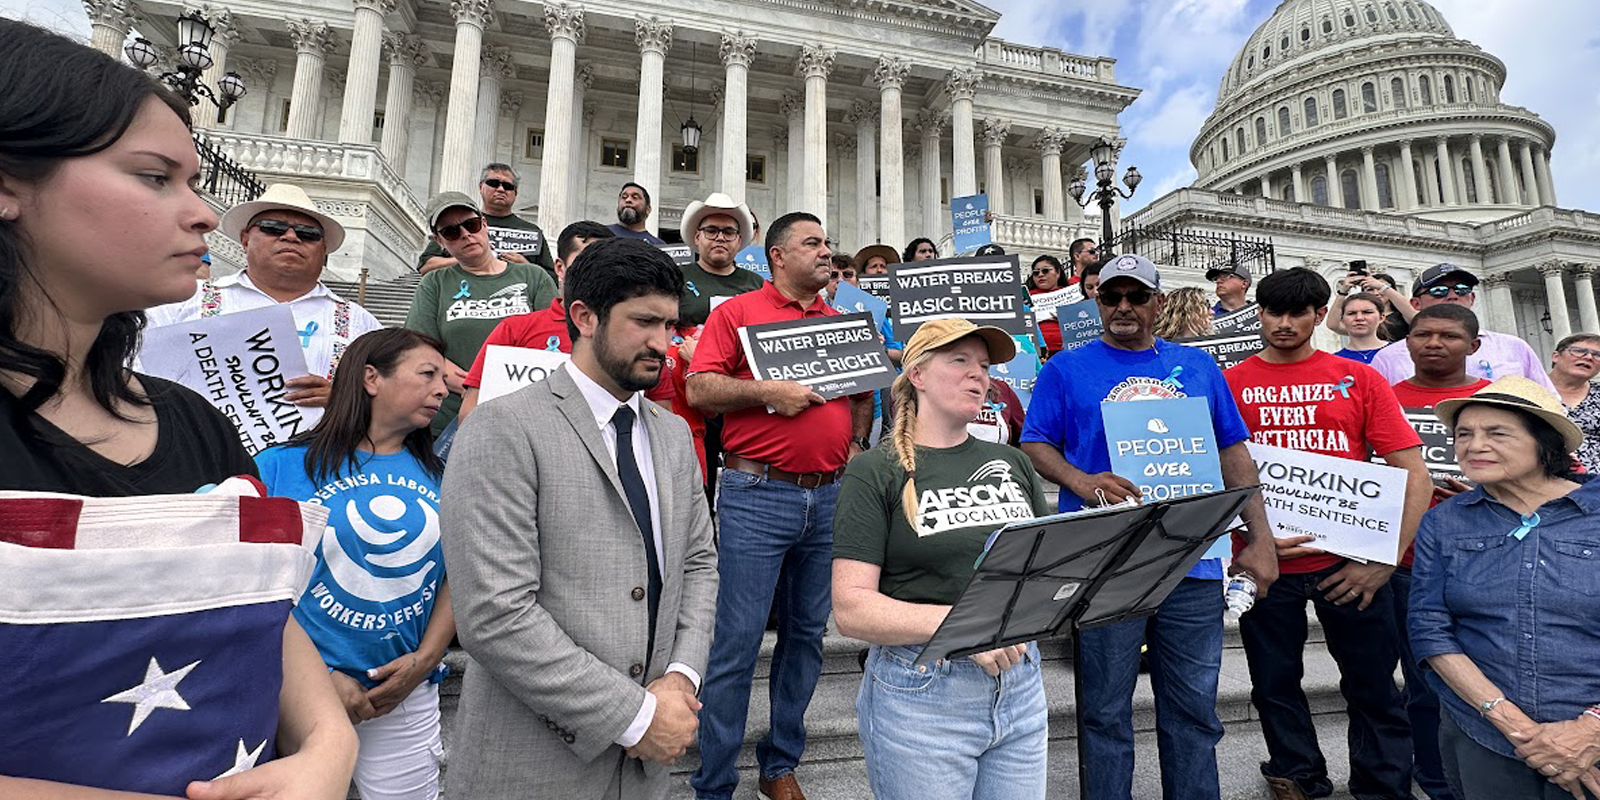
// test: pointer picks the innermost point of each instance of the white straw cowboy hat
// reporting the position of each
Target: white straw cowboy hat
(1520, 393)
(280, 196)
(717, 203)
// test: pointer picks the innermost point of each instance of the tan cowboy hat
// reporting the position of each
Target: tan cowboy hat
(280, 196)
(890, 255)
(1520, 393)
(717, 203)
(937, 333)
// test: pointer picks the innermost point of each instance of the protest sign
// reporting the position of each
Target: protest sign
(515, 240)
(507, 369)
(1352, 507)
(875, 285)
(1228, 349)
(1044, 304)
(681, 255)
(833, 356)
(1167, 448)
(986, 290)
(1019, 373)
(1438, 445)
(239, 363)
(754, 258)
(1080, 324)
(848, 299)
(969, 220)
(1245, 320)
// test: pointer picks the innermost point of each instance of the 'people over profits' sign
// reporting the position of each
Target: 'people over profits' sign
(986, 290)
(833, 356)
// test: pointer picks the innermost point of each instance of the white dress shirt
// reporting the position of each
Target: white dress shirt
(327, 323)
(604, 406)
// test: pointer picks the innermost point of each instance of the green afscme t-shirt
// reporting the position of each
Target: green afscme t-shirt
(964, 493)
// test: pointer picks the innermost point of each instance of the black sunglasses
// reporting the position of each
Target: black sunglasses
(496, 183)
(277, 227)
(453, 232)
(848, 273)
(1461, 290)
(1113, 298)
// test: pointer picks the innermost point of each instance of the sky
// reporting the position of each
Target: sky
(1177, 50)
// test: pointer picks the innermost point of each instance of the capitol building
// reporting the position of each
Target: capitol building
(1344, 129)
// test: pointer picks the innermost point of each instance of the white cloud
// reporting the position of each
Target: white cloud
(63, 16)
(1174, 123)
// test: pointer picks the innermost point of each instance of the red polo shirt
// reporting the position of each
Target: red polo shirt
(546, 329)
(815, 440)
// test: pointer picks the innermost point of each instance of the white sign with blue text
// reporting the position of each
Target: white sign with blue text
(1167, 448)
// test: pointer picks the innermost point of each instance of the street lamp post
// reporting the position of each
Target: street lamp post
(1105, 173)
(194, 58)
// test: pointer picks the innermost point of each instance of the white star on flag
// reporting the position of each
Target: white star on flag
(159, 690)
(246, 759)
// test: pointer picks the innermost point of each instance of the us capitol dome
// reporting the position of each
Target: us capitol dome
(1374, 105)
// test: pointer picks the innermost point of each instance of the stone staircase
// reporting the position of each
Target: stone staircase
(388, 301)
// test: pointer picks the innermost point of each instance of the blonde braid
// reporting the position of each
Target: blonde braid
(904, 438)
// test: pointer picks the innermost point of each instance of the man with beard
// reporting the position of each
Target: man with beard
(581, 562)
(633, 212)
(775, 503)
(514, 239)
(719, 228)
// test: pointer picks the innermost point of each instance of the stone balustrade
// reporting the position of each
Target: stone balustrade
(280, 157)
(1048, 60)
(1031, 234)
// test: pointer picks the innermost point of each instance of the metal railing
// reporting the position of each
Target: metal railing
(1196, 250)
(223, 178)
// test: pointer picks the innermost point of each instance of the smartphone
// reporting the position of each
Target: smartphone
(1359, 268)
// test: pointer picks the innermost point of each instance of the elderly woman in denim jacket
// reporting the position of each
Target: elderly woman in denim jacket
(1505, 601)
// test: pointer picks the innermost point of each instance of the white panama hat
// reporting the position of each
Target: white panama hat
(280, 196)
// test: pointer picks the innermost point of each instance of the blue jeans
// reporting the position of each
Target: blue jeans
(1422, 705)
(951, 732)
(1185, 638)
(773, 537)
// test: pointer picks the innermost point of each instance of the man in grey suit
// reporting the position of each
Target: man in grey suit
(581, 562)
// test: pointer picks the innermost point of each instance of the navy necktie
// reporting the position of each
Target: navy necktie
(639, 502)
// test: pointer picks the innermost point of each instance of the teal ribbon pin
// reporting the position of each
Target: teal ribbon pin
(1529, 522)
(466, 291)
(553, 344)
(690, 286)
(1343, 387)
(1172, 379)
(307, 332)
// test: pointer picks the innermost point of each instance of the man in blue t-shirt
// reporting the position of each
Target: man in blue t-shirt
(1065, 437)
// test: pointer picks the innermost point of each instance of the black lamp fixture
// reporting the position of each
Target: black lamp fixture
(1545, 321)
(194, 58)
(691, 129)
(1106, 193)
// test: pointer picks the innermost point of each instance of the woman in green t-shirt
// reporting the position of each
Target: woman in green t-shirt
(912, 518)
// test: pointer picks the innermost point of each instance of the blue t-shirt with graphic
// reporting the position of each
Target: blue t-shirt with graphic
(1065, 410)
(1364, 356)
(380, 561)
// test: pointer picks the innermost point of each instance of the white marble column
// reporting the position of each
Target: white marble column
(1583, 284)
(793, 108)
(225, 33)
(1051, 141)
(962, 85)
(361, 79)
(816, 62)
(1547, 187)
(1406, 179)
(1480, 170)
(458, 170)
(1330, 168)
(1369, 180)
(737, 51)
(577, 194)
(510, 109)
(312, 42)
(407, 54)
(653, 37)
(494, 69)
(865, 118)
(995, 132)
(109, 22)
(1530, 181)
(847, 228)
(1297, 180)
(1447, 172)
(1501, 317)
(566, 26)
(1555, 293)
(1508, 177)
(930, 127)
(780, 172)
(890, 76)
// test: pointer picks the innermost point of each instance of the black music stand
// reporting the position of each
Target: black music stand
(1062, 574)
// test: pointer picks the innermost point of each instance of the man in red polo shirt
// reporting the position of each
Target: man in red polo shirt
(775, 504)
(1293, 395)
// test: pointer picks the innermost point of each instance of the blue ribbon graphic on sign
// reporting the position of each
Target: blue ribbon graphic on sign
(466, 291)
(307, 332)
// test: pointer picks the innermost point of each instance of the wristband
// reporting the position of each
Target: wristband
(1591, 711)
(1488, 705)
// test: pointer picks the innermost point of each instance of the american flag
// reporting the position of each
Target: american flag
(143, 635)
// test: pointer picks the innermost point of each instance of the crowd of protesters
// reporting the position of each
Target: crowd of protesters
(620, 535)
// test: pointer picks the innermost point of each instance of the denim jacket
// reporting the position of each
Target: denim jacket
(1526, 611)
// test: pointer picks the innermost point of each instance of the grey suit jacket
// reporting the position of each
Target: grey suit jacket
(547, 579)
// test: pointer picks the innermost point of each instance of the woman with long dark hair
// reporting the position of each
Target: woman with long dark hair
(377, 606)
(99, 220)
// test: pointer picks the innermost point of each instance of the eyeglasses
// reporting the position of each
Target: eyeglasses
(1044, 271)
(720, 233)
(1113, 298)
(496, 183)
(1582, 351)
(1461, 290)
(453, 232)
(277, 228)
(847, 274)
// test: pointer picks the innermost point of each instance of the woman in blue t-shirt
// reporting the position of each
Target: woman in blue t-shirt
(377, 606)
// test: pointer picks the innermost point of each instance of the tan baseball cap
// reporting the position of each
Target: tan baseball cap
(937, 333)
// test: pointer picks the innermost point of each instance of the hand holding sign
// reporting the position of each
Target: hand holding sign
(789, 398)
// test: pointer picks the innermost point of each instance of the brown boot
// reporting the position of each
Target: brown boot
(784, 787)
(1285, 789)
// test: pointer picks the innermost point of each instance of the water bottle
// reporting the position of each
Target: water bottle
(1239, 596)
